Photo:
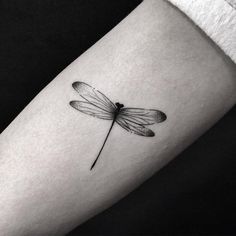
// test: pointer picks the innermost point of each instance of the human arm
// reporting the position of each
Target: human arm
(155, 58)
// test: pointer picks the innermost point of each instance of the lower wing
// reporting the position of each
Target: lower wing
(134, 127)
(90, 109)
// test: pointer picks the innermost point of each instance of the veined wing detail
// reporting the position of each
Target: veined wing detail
(91, 110)
(134, 128)
(94, 96)
(134, 120)
(142, 116)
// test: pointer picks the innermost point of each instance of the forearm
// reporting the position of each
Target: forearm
(154, 59)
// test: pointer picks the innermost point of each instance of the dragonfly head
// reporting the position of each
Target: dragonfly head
(119, 106)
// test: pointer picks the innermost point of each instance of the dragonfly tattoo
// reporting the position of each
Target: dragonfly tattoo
(134, 120)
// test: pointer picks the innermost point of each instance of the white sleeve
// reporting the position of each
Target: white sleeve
(217, 18)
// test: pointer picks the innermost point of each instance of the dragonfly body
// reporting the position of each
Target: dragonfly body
(116, 113)
(133, 120)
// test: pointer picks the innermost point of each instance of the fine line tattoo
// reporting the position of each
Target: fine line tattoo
(98, 105)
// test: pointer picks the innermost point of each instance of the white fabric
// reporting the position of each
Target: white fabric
(216, 17)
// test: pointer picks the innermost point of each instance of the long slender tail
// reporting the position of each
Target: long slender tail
(103, 144)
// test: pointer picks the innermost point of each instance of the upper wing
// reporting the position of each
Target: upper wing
(135, 119)
(92, 110)
(142, 116)
(93, 96)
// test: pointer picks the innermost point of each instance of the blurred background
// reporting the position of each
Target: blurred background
(194, 194)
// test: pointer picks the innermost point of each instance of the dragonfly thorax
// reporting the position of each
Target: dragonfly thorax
(119, 106)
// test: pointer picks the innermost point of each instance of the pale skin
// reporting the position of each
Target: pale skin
(155, 58)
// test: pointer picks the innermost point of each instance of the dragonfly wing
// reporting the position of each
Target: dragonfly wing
(91, 110)
(142, 116)
(94, 96)
(134, 127)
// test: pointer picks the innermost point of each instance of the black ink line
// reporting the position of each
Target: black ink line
(232, 4)
(113, 122)
(134, 120)
(116, 112)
